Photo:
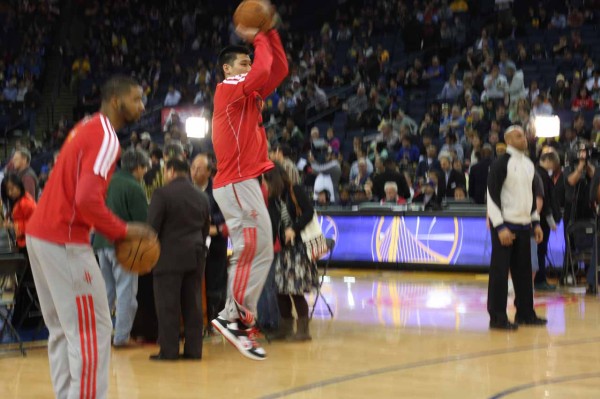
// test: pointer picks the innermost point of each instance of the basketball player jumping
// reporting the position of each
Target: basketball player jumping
(240, 146)
(67, 277)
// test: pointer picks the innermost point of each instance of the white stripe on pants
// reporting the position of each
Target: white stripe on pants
(73, 299)
(249, 226)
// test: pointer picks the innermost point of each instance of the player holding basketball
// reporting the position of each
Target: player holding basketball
(67, 277)
(240, 146)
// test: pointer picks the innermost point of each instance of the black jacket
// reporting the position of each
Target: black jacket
(434, 203)
(424, 167)
(478, 180)
(299, 222)
(455, 179)
(551, 205)
(390, 175)
(180, 214)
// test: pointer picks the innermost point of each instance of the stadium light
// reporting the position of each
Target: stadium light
(547, 126)
(196, 127)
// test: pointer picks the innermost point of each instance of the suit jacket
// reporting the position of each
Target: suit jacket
(478, 180)
(454, 180)
(434, 203)
(390, 175)
(180, 214)
(424, 167)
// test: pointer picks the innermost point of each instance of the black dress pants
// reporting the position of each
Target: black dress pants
(176, 295)
(542, 251)
(216, 278)
(517, 258)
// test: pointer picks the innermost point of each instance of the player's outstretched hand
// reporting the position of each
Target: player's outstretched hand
(140, 230)
(246, 33)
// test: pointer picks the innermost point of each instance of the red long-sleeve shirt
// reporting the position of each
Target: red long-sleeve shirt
(21, 214)
(239, 138)
(73, 201)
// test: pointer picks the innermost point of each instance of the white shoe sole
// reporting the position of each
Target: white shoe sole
(233, 341)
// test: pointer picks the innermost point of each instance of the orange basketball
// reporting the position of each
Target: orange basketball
(138, 255)
(254, 14)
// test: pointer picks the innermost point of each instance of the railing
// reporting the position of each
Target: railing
(342, 92)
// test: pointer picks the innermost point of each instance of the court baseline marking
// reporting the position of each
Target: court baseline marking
(423, 363)
(548, 381)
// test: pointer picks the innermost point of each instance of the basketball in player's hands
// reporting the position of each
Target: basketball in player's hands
(254, 14)
(138, 254)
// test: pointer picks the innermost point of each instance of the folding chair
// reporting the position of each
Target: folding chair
(12, 268)
(330, 246)
(580, 247)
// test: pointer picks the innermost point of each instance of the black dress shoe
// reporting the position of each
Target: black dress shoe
(503, 325)
(185, 356)
(159, 357)
(531, 321)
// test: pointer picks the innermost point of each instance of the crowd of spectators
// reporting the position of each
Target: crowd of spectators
(25, 38)
(387, 88)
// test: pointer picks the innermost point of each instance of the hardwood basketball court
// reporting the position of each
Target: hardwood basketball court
(394, 335)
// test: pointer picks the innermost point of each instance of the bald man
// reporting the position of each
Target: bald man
(512, 211)
(216, 262)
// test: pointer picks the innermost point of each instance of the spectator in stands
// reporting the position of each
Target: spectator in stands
(449, 178)
(391, 194)
(10, 91)
(387, 135)
(593, 85)
(579, 127)
(516, 84)
(484, 41)
(430, 163)
(428, 126)
(428, 197)
(21, 160)
(156, 157)
(452, 89)
(172, 97)
(460, 194)
(583, 102)
(334, 142)
(324, 198)
(495, 85)
(451, 144)
(478, 175)
(22, 205)
(542, 106)
(360, 154)
(560, 93)
(356, 106)
(575, 18)
(390, 173)
(408, 152)
(402, 120)
(360, 178)
(589, 69)
(558, 21)
(434, 72)
(328, 175)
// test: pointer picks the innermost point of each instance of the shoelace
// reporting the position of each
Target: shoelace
(253, 336)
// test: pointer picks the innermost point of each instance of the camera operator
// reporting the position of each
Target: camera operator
(579, 174)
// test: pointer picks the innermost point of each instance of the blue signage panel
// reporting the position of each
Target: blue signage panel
(461, 241)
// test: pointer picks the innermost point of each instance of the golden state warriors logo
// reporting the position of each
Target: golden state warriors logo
(329, 228)
(417, 239)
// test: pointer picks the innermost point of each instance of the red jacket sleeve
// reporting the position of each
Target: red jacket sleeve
(21, 214)
(279, 67)
(261, 67)
(90, 203)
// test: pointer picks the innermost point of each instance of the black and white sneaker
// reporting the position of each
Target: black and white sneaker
(244, 339)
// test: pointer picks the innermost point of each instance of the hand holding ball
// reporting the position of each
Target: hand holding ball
(257, 14)
(139, 251)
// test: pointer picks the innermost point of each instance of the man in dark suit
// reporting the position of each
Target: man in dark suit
(216, 262)
(479, 174)
(180, 214)
(390, 174)
(449, 178)
(430, 163)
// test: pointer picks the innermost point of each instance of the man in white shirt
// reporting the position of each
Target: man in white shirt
(173, 97)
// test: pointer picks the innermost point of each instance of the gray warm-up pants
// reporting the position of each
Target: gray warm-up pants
(249, 225)
(73, 299)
